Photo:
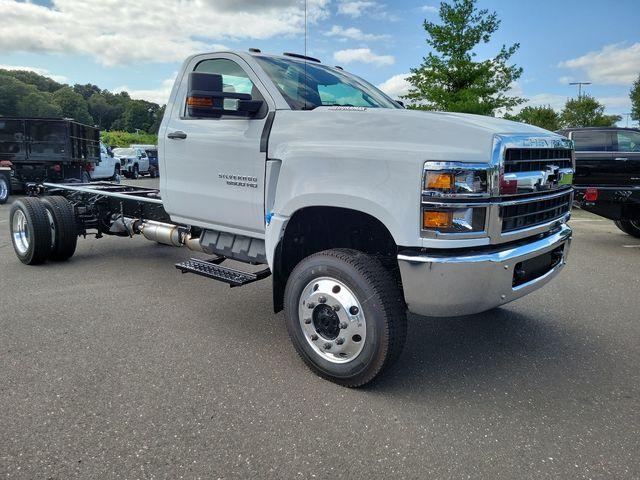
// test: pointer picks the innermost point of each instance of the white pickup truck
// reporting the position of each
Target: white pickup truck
(359, 209)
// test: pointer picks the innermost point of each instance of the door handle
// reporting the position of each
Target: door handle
(621, 159)
(177, 135)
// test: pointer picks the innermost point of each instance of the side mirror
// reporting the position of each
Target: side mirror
(400, 102)
(110, 152)
(205, 98)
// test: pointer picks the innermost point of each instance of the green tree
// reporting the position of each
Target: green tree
(103, 113)
(72, 104)
(450, 78)
(586, 111)
(42, 83)
(543, 117)
(635, 100)
(37, 104)
(137, 115)
(11, 90)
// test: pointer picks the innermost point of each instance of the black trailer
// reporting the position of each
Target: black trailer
(48, 149)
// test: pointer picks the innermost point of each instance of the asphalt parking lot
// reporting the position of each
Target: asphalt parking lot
(114, 365)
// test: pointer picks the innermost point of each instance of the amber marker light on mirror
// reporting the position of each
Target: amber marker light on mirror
(200, 102)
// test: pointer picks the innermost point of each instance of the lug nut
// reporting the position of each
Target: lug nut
(336, 308)
(314, 337)
(322, 300)
(343, 325)
(311, 305)
(339, 341)
(327, 346)
(354, 310)
(307, 321)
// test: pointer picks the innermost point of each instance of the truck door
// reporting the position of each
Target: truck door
(594, 157)
(626, 156)
(213, 167)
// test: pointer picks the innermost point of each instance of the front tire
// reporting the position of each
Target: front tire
(136, 173)
(86, 178)
(5, 188)
(30, 230)
(630, 227)
(345, 315)
(65, 230)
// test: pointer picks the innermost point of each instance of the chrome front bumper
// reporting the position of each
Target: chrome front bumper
(447, 286)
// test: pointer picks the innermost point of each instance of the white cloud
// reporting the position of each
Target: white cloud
(396, 86)
(124, 32)
(353, 34)
(429, 9)
(158, 95)
(355, 8)
(364, 55)
(39, 71)
(615, 64)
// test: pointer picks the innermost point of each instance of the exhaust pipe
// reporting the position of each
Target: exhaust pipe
(167, 234)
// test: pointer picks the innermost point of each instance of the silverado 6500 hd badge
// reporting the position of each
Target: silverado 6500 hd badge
(239, 180)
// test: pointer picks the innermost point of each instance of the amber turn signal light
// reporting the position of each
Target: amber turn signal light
(439, 181)
(200, 102)
(437, 219)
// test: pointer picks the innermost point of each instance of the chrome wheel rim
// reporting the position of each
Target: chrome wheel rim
(4, 188)
(20, 232)
(332, 320)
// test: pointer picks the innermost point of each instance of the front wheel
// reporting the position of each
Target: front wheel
(345, 315)
(5, 188)
(136, 172)
(630, 227)
(86, 178)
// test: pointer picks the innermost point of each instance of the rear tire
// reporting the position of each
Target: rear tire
(65, 229)
(630, 227)
(30, 230)
(345, 315)
(5, 188)
(86, 178)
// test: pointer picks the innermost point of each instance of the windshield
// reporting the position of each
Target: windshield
(124, 151)
(324, 86)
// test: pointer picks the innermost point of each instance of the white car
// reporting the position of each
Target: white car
(108, 168)
(133, 161)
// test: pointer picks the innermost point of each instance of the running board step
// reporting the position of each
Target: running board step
(233, 277)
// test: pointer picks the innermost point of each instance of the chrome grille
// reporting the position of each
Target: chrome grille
(535, 159)
(529, 213)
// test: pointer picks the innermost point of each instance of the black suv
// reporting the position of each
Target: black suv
(607, 179)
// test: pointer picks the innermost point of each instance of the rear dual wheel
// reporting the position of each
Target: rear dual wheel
(345, 315)
(43, 229)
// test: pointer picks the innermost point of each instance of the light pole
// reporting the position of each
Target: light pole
(580, 84)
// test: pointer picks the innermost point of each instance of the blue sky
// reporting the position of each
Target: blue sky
(138, 45)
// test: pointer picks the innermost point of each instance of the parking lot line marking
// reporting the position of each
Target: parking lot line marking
(631, 246)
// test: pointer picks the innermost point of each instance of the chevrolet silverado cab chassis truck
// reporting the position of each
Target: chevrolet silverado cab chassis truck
(359, 209)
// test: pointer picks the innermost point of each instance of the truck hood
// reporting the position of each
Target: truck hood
(430, 135)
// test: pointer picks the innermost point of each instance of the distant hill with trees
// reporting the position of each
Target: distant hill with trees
(29, 94)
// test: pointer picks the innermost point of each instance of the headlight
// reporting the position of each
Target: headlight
(453, 179)
(453, 220)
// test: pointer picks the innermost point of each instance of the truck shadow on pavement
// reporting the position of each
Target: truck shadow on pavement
(499, 352)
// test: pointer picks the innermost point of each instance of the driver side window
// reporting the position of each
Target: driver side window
(234, 79)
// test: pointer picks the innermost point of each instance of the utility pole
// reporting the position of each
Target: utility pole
(580, 84)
